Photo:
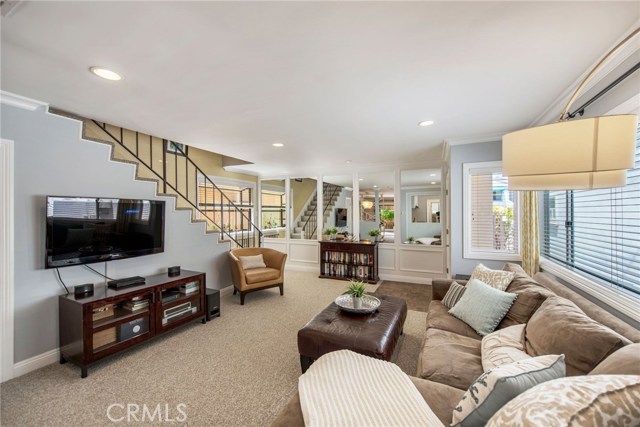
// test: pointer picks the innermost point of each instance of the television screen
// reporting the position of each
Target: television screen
(83, 230)
(341, 217)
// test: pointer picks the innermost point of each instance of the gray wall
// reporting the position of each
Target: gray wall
(51, 159)
(468, 153)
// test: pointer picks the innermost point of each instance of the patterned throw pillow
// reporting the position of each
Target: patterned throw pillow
(498, 279)
(252, 261)
(594, 400)
(453, 295)
(482, 307)
(493, 389)
(503, 346)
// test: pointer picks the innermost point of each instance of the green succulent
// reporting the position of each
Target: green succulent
(356, 288)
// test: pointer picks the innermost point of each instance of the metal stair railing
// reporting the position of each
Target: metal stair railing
(311, 224)
(247, 235)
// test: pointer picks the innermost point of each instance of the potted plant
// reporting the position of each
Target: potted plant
(356, 290)
(411, 239)
(332, 231)
(374, 233)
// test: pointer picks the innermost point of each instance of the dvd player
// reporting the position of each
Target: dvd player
(126, 282)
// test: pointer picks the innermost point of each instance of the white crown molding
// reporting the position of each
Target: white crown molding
(552, 112)
(19, 101)
(492, 137)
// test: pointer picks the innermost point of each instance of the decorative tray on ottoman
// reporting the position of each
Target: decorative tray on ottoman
(369, 304)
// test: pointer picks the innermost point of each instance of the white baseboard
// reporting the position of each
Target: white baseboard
(406, 279)
(36, 362)
(226, 290)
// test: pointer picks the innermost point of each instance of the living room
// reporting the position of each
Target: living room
(389, 114)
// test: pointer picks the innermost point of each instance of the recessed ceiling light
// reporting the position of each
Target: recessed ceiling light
(347, 161)
(375, 186)
(426, 123)
(105, 74)
(433, 174)
(361, 179)
(278, 144)
(433, 183)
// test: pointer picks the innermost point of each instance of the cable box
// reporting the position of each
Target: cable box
(126, 282)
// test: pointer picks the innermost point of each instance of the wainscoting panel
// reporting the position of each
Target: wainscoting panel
(386, 257)
(422, 260)
(307, 252)
(277, 244)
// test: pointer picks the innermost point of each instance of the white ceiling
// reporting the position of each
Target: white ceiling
(333, 81)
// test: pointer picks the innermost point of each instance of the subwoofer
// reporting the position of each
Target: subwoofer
(213, 303)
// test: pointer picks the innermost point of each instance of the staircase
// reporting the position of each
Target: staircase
(307, 225)
(168, 165)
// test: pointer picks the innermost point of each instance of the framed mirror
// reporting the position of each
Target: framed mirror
(303, 204)
(273, 218)
(338, 206)
(377, 206)
(421, 200)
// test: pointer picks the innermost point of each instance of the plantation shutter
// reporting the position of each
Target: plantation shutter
(494, 214)
(597, 231)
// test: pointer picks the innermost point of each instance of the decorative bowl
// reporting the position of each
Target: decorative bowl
(369, 304)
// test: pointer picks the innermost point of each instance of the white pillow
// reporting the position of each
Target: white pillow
(498, 279)
(581, 401)
(253, 261)
(493, 389)
(503, 346)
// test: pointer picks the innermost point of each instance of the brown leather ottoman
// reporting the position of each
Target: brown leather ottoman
(374, 334)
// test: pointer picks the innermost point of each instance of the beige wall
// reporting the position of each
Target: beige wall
(301, 191)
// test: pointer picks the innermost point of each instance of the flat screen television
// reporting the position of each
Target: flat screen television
(341, 217)
(84, 230)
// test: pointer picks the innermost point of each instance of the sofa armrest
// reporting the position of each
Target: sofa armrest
(439, 287)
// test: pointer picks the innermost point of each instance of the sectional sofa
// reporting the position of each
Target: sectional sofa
(553, 319)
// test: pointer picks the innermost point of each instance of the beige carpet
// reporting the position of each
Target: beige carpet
(237, 370)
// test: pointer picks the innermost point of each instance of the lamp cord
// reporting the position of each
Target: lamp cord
(593, 71)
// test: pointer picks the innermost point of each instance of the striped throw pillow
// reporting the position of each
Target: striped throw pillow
(454, 293)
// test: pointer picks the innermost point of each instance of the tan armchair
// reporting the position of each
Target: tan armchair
(255, 279)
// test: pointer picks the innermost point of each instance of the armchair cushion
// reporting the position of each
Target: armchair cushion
(259, 275)
(251, 262)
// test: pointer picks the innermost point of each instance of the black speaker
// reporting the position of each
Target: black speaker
(174, 271)
(83, 291)
(213, 303)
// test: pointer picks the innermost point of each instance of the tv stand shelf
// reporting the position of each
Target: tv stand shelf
(113, 320)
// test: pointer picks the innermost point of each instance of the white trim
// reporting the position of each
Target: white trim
(630, 106)
(490, 137)
(620, 300)
(36, 362)
(468, 251)
(19, 101)
(406, 279)
(227, 290)
(307, 268)
(6, 260)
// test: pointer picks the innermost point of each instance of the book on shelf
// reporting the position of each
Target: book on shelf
(190, 287)
(135, 305)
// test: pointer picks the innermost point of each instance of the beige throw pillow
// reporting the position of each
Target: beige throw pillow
(503, 346)
(584, 401)
(495, 278)
(252, 261)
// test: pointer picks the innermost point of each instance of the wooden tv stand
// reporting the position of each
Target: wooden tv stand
(103, 324)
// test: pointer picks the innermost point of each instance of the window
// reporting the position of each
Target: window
(218, 203)
(491, 214)
(597, 232)
(273, 209)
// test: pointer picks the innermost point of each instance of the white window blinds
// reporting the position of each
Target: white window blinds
(597, 232)
(491, 213)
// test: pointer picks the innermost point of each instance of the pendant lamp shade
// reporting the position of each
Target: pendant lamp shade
(571, 155)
